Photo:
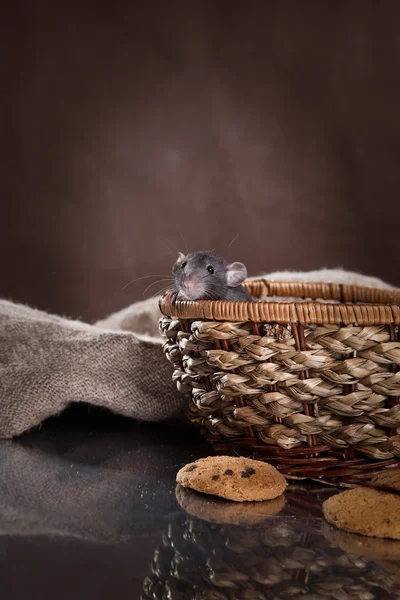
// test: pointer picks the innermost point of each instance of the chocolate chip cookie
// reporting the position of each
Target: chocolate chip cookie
(366, 511)
(233, 478)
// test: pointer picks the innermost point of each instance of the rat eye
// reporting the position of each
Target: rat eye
(183, 265)
(210, 269)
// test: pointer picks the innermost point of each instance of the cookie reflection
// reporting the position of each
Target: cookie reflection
(384, 552)
(215, 510)
(217, 550)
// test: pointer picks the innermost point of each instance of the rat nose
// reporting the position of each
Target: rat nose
(191, 288)
(188, 284)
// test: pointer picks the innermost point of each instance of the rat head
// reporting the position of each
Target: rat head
(206, 276)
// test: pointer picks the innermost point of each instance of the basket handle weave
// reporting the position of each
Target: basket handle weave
(355, 305)
(326, 291)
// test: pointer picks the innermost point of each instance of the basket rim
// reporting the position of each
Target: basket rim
(356, 305)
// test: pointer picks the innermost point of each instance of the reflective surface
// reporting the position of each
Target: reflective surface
(91, 511)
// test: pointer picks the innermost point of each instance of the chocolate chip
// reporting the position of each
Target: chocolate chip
(248, 472)
(215, 477)
(192, 468)
(228, 472)
(387, 520)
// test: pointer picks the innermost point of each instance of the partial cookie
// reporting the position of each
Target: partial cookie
(223, 512)
(234, 478)
(388, 480)
(366, 511)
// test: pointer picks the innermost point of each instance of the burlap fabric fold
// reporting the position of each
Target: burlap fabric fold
(47, 362)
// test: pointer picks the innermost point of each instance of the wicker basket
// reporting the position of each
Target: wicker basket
(310, 386)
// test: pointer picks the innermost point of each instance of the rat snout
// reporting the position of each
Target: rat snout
(191, 288)
(188, 284)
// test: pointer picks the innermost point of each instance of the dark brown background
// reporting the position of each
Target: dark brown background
(123, 123)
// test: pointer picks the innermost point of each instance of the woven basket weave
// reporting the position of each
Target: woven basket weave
(310, 386)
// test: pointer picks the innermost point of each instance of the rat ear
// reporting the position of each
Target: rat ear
(236, 273)
(181, 258)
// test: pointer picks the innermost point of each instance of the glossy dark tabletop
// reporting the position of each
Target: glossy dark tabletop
(91, 511)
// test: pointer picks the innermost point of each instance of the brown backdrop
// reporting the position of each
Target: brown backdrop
(124, 123)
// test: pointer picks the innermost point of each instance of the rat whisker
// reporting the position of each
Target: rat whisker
(167, 244)
(208, 275)
(160, 292)
(211, 295)
(138, 279)
(170, 279)
(234, 240)
(184, 241)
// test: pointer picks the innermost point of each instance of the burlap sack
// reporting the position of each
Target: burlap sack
(47, 362)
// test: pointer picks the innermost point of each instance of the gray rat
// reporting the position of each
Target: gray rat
(206, 276)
